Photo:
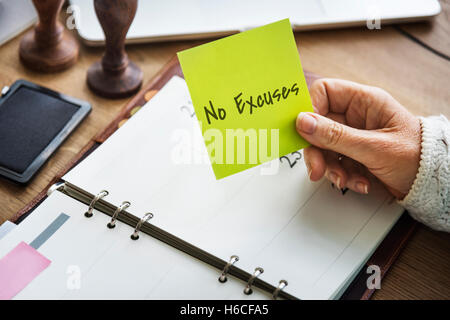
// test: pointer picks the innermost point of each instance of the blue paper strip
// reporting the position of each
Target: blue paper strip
(49, 231)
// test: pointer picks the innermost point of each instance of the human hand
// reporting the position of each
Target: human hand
(359, 130)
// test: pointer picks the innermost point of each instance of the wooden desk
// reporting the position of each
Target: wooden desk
(386, 58)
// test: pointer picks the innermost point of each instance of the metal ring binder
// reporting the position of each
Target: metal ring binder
(99, 195)
(223, 276)
(122, 207)
(281, 285)
(145, 218)
(57, 186)
(248, 288)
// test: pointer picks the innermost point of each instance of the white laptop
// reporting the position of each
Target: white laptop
(193, 19)
(15, 16)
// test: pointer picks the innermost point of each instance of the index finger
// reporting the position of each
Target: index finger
(335, 95)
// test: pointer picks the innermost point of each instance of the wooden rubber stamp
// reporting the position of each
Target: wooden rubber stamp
(115, 76)
(48, 47)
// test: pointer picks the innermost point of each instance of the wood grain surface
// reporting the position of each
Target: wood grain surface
(434, 33)
(415, 76)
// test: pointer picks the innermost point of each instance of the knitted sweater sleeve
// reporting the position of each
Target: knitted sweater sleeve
(428, 201)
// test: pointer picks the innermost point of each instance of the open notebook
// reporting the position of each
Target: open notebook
(309, 234)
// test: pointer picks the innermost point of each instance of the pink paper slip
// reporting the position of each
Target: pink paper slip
(18, 268)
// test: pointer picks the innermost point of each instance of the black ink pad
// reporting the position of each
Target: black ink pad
(34, 121)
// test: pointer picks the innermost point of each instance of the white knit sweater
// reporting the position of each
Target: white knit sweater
(428, 201)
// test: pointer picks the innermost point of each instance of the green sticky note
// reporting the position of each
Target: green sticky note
(247, 90)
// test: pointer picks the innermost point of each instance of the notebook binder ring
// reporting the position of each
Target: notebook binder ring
(248, 288)
(281, 285)
(99, 195)
(122, 207)
(57, 186)
(144, 219)
(223, 276)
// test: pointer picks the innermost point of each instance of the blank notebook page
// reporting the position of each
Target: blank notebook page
(306, 233)
(91, 261)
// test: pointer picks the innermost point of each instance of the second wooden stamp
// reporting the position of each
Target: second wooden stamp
(115, 76)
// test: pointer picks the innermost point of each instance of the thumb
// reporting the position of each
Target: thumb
(331, 135)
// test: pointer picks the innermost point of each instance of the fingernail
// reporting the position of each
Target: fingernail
(335, 179)
(306, 123)
(309, 173)
(362, 187)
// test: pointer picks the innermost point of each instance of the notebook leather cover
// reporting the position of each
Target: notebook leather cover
(384, 256)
